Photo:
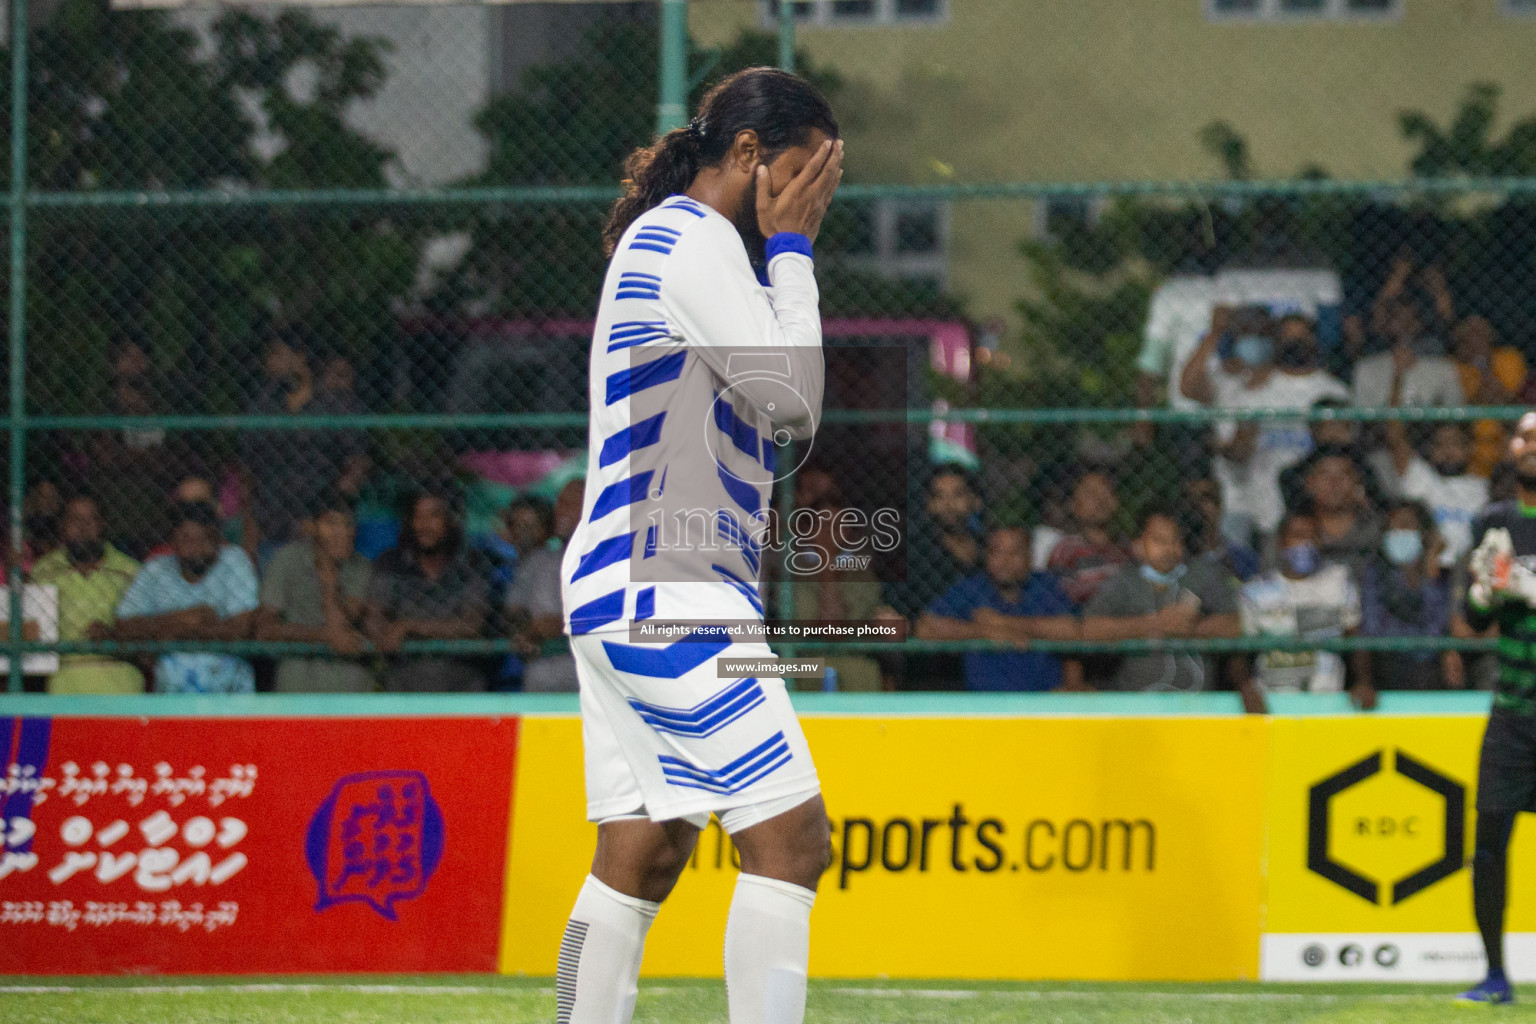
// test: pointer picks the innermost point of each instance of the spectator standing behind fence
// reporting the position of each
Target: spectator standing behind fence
(1491, 374)
(1406, 591)
(1439, 478)
(1305, 599)
(1090, 554)
(1202, 499)
(91, 576)
(312, 592)
(1334, 493)
(1007, 603)
(1271, 366)
(823, 589)
(533, 607)
(944, 545)
(1160, 596)
(428, 587)
(205, 590)
(1414, 366)
(284, 469)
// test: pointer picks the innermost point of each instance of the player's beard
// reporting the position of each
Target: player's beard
(1527, 481)
(745, 220)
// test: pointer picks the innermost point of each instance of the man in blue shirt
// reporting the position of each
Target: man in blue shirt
(1004, 603)
(204, 590)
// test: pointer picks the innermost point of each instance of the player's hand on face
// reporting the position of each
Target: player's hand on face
(800, 207)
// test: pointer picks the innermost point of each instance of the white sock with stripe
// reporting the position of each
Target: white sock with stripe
(767, 948)
(598, 975)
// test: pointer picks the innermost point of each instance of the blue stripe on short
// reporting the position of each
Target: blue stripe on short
(705, 718)
(756, 764)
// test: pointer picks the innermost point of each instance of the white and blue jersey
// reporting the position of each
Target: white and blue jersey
(695, 367)
(698, 369)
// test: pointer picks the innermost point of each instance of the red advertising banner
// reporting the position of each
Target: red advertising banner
(252, 845)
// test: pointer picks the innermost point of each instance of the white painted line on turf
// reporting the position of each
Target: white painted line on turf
(651, 990)
(273, 987)
(1069, 994)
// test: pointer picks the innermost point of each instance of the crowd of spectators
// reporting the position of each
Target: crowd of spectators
(148, 546)
(1284, 528)
(1292, 528)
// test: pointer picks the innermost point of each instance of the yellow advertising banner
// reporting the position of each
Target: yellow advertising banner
(1371, 824)
(1094, 848)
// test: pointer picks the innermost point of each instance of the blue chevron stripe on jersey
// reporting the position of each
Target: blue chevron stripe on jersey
(734, 534)
(742, 493)
(684, 203)
(742, 434)
(757, 763)
(635, 285)
(655, 238)
(656, 662)
(641, 435)
(637, 332)
(647, 375)
(645, 604)
(603, 554)
(597, 612)
(746, 589)
(705, 718)
(622, 494)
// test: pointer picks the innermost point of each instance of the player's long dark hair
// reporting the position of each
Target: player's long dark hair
(781, 108)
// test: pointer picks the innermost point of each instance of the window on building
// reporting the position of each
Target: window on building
(1056, 216)
(906, 240)
(1301, 10)
(858, 12)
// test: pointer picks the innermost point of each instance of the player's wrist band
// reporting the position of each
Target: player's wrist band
(789, 241)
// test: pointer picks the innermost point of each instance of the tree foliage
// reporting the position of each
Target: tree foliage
(132, 100)
(573, 122)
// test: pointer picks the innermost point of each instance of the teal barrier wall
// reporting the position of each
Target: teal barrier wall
(863, 704)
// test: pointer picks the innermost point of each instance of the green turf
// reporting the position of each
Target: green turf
(476, 999)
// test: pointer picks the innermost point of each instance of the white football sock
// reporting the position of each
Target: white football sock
(599, 970)
(767, 947)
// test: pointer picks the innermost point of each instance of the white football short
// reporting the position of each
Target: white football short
(666, 738)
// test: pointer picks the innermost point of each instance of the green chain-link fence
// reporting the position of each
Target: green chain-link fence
(311, 283)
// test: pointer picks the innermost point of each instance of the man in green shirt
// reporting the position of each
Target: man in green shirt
(312, 591)
(91, 576)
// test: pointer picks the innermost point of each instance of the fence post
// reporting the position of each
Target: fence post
(672, 105)
(786, 36)
(18, 328)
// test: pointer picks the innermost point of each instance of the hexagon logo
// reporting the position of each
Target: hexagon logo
(1449, 856)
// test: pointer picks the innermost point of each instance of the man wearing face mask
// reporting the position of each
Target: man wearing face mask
(204, 590)
(1254, 454)
(1306, 599)
(1440, 480)
(1406, 591)
(91, 576)
(1162, 595)
(1503, 593)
